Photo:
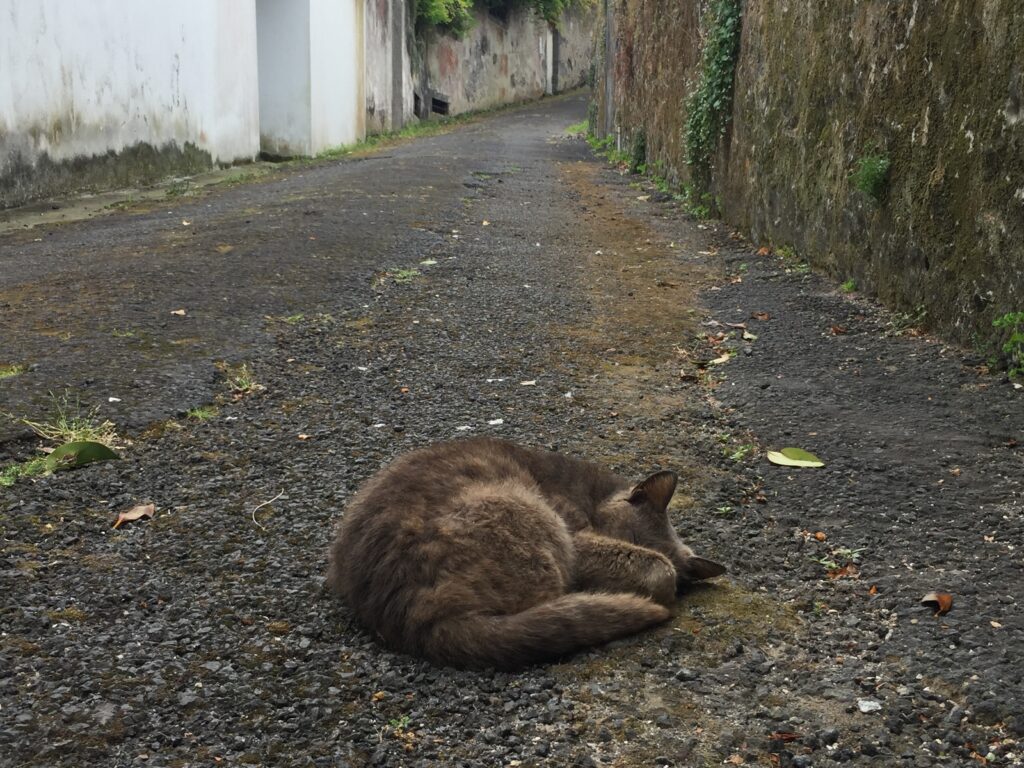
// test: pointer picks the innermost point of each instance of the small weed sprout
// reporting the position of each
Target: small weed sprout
(9, 371)
(871, 175)
(203, 412)
(241, 380)
(405, 275)
(71, 424)
(849, 286)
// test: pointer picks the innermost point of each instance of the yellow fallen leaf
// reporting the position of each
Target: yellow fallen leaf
(719, 360)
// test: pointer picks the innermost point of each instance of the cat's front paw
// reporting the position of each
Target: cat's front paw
(659, 582)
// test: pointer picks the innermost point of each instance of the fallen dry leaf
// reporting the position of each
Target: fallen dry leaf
(764, 250)
(135, 513)
(741, 326)
(666, 284)
(820, 535)
(224, 248)
(873, 590)
(735, 760)
(404, 390)
(304, 436)
(762, 316)
(719, 360)
(379, 696)
(785, 736)
(941, 601)
(848, 571)
(955, 471)
(996, 624)
(179, 312)
(838, 330)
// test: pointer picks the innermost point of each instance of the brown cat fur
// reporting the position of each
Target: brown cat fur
(480, 552)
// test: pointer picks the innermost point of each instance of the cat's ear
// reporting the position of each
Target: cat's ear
(699, 568)
(656, 490)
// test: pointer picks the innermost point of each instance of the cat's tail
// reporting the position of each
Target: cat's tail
(547, 631)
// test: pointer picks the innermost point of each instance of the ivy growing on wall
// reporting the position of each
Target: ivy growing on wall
(710, 104)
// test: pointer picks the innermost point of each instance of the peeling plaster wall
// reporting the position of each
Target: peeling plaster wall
(938, 87)
(110, 92)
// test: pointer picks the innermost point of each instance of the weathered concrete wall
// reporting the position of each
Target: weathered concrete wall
(575, 48)
(938, 87)
(109, 92)
(310, 75)
(389, 88)
(502, 61)
(495, 63)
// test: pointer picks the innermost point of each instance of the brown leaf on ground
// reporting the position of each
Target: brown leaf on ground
(838, 330)
(135, 513)
(379, 696)
(848, 571)
(940, 601)
(874, 590)
(764, 250)
(820, 536)
(762, 316)
(785, 736)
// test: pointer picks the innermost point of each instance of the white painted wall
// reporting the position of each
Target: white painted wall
(81, 78)
(336, 66)
(310, 73)
(284, 76)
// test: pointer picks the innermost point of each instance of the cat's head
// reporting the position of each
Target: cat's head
(640, 516)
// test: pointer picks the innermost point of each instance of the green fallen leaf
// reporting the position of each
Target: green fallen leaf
(78, 453)
(794, 457)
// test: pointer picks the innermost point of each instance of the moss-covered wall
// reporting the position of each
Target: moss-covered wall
(937, 86)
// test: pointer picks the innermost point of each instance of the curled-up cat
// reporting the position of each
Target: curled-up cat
(483, 553)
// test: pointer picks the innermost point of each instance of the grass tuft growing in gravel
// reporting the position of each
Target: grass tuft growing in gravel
(203, 412)
(71, 424)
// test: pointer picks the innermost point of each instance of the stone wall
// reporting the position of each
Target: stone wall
(937, 87)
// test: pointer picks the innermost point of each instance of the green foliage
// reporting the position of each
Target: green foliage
(455, 16)
(578, 129)
(710, 104)
(871, 175)
(849, 286)
(7, 371)
(638, 153)
(1013, 347)
(203, 412)
(10, 474)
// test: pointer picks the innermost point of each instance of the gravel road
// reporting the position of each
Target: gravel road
(496, 279)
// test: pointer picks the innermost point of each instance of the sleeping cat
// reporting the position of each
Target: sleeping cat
(483, 553)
